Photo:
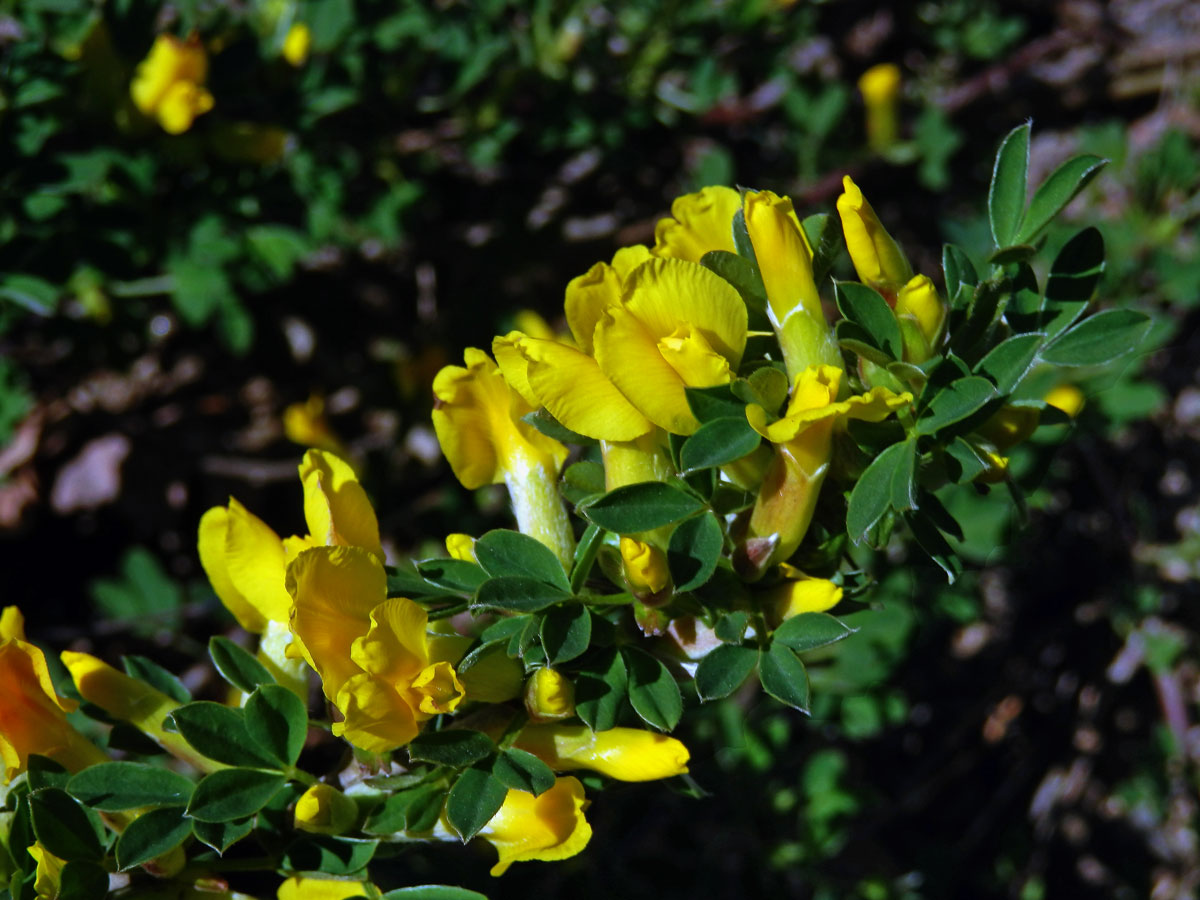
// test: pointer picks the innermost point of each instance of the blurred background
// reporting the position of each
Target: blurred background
(371, 186)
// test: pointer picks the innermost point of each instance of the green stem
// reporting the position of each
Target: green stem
(539, 509)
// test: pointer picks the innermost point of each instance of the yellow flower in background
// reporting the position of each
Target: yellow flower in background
(701, 222)
(1066, 397)
(549, 695)
(478, 420)
(297, 43)
(1010, 425)
(877, 258)
(624, 754)
(33, 718)
(132, 700)
(880, 89)
(303, 887)
(306, 424)
(169, 83)
(645, 566)
(377, 663)
(323, 809)
(547, 828)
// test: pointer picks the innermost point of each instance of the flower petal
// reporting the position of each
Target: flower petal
(547, 827)
(627, 353)
(702, 221)
(377, 717)
(335, 505)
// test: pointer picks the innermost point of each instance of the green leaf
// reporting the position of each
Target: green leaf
(230, 794)
(219, 732)
(222, 835)
(600, 688)
(477, 795)
(718, 442)
(506, 552)
(585, 556)
(969, 460)
(453, 574)
(694, 550)
(416, 809)
(566, 632)
(932, 541)
(732, 628)
(517, 594)
(115, 786)
(1006, 196)
(808, 631)
(867, 309)
(403, 583)
(34, 294)
(958, 401)
(1074, 277)
(64, 827)
(544, 422)
(824, 233)
(522, 771)
(641, 507)
(433, 892)
(1056, 192)
(151, 834)
(44, 772)
(784, 677)
(723, 670)
(1099, 339)
(237, 666)
(581, 480)
(741, 273)
(81, 880)
(277, 721)
(1011, 360)
(329, 854)
(502, 629)
(887, 478)
(652, 690)
(156, 676)
(455, 747)
(958, 270)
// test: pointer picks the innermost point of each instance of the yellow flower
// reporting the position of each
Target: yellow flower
(678, 325)
(1066, 397)
(377, 664)
(548, 827)
(132, 701)
(549, 695)
(306, 424)
(296, 44)
(920, 312)
(803, 443)
(877, 258)
(1010, 425)
(48, 879)
(323, 809)
(880, 89)
(626, 754)
(477, 418)
(800, 593)
(702, 221)
(169, 83)
(33, 718)
(461, 547)
(645, 567)
(302, 887)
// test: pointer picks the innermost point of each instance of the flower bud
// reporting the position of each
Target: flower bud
(549, 696)
(645, 567)
(877, 257)
(461, 547)
(800, 593)
(1066, 397)
(323, 809)
(296, 44)
(918, 303)
(880, 89)
(626, 754)
(1010, 425)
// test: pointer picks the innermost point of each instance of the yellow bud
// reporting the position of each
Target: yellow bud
(1010, 425)
(461, 547)
(800, 593)
(296, 44)
(919, 300)
(645, 567)
(323, 809)
(877, 258)
(1066, 397)
(880, 89)
(626, 754)
(549, 696)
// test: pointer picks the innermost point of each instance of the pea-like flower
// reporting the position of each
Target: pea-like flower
(549, 695)
(323, 809)
(700, 222)
(645, 567)
(377, 663)
(478, 420)
(169, 83)
(33, 718)
(880, 89)
(548, 827)
(625, 754)
(877, 258)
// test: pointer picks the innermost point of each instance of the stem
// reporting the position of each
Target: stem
(538, 507)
